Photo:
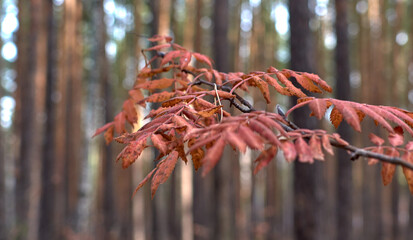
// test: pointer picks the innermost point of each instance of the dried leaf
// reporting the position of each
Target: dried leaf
(250, 138)
(160, 97)
(144, 181)
(213, 155)
(131, 152)
(102, 129)
(304, 151)
(396, 138)
(289, 151)
(265, 158)
(387, 172)
(130, 111)
(315, 145)
(408, 157)
(196, 154)
(164, 171)
(158, 47)
(262, 86)
(109, 134)
(156, 84)
(336, 117)
(136, 95)
(326, 144)
(120, 123)
(376, 140)
(209, 112)
(349, 113)
(202, 58)
(159, 143)
(318, 106)
(265, 132)
(235, 141)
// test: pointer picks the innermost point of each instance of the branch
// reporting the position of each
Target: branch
(356, 152)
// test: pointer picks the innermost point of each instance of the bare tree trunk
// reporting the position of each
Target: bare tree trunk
(48, 207)
(306, 206)
(343, 91)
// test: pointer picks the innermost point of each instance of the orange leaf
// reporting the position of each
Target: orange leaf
(265, 132)
(221, 94)
(387, 172)
(173, 101)
(376, 140)
(156, 84)
(348, 112)
(136, 95)
(209, 112)
(273, 82)
(196, 154)
(102, 129)
(144, 181)
(170, 56)
(165, 168)
(262, 86)
(185, 59)
(305, 82)
(336, 117)
(408, 157)
(160, 97)
(158, 47)
(120, 123)
(109, 134)
(131, 152)
(130, 111)
(213, 155)
(265, 158)
(202, 58)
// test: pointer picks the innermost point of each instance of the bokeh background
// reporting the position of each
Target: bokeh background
(66, 67)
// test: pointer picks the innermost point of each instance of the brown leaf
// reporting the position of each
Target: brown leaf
(136, 95)
(165, 168)
(262, 86)
(315, 145)
(196, 154)
(202, 58)
(327, 145)
(160, 97)
(336, 117)
(120, 123)
(348, 112)
(250, 138)
(213, 155)
(221, 94)
(156, 84)
(305, 82)
(173, 101)
(209, 112)
(144, 181)
(158, 47)
(289, 151)
(273, 82)
(408, 157)
(131, 152)
(304, 151)
(102, 129)
(159, 143)
(387, 172)
(109, 134)
(318, 106)
(291, 88)
(265, 158)
(235, 141)
(130, 111)
(170, 56)
(263, 131)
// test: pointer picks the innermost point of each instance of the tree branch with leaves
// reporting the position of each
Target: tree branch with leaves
(191, 119)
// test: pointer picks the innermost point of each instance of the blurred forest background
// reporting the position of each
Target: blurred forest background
(67, 65)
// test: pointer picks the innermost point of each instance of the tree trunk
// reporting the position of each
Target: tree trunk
(48, 229)
(343, 91)
(305, 189)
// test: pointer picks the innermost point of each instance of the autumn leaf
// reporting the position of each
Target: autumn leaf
(120, 123)
(109, 134)
(202, 58)
(159, 143)
(158, 47)
(408, 157)
(326, 144)
(209, 112)
(251, 139)
(265, 158)
(131, 152)
(165, 169)
(304, 151)
(136, 95)
(160, 97)
(315, 145)
(265, 132)
(318, 106)
(396, 138)
(289, 151)
(156, 84)
(102, 129)
(213, 155)
(196, 154)
(130, 111)
(144, 181)
(235, 140)
(336, 117)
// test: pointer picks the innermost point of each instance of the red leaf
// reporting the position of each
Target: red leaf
(165, 168)
(265, 158)
(327, 145)
(304, 151)
(170, 56)
(144, 181)
(130, 111)
(315, 145)
(408, 157)
(156, 84)
(102, 129)
(235, 141)
(396, 138)
(196, 154)
(251, 139)
(265, 132)
(349, 113)
(158, 47)
(185, 59)
(120, 123)
(131, 152)
(136, 95)
(159, 143)
(202, 58)
(213, 155)
(109, 134)
(289, 151)
(160, 97)
(318, 106)
(336, 117)
(376, 140)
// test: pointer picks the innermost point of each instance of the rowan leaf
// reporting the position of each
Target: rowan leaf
(396, 138)
(265, 158)
(305, 82)
(288, 148)
(102, 129)
(212, 156)
(158, 47)
(144, 181)
(130, 111)
(304, 151)
(262, 86)
(273, 82)
(349, 113)
(160, 97)
(388, 169)
(318, 106)
(326, 144)
(202, 58)
(376, 139)
(156, 84)
(136, 95)
(265, 132)
(197, 154)
(250, 138)
(315, 145)
(159, 143)
(120, 123)
(408, 174)
(108, 135)
(209, 112)
(165, 168)
(131, 152)
(235, 140)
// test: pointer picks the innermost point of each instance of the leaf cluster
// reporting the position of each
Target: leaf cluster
(191, 122)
